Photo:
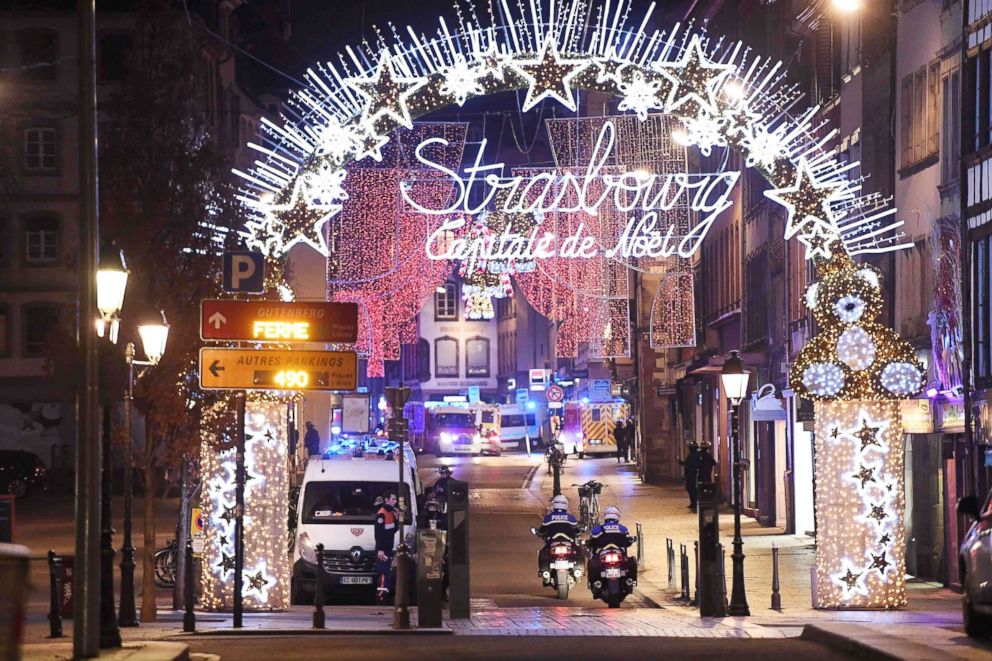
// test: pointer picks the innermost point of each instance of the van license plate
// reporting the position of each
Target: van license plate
(356, 580)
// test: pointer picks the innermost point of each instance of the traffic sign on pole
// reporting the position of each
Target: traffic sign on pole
(275, 321)
(555, 393)
(244, 272)
(271, 369)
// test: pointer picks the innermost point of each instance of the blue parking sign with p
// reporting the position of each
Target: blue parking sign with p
(244, 272)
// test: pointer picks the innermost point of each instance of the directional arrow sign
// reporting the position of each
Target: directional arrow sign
(275, 321)
(270, 369)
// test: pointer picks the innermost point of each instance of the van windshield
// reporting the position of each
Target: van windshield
(513, 420)
(455, 420)
(345, 502)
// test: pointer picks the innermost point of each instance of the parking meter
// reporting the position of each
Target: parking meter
(712, 591)
(430, 576)
(458, 587)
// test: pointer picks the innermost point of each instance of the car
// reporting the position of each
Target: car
(21, 473)
(975, 567)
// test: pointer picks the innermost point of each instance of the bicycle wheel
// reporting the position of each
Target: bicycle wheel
(584, 514)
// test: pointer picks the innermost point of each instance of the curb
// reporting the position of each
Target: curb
(150, 650)
(863, 642)
(228, 633)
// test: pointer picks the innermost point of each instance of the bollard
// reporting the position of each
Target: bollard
(722, 582)
(640, 546)
(684, 562)
(189, 617)
(55, 582)
(318, 590)
(670, 556)
(776, 596)
(695, 598)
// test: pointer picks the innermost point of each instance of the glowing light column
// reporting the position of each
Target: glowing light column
(859, 505)
(266, 571)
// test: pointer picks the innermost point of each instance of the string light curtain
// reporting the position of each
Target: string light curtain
(378, 260)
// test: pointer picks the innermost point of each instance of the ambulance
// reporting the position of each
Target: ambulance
(589, 427)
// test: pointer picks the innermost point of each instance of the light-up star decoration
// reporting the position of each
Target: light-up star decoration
(549, 76)
(608, 69)
(297, 220)
(868, 435)
(694, 79)
(817, 241)
(865, 475)
(227, 562)
(807, 200)
(386, 93)
(493, 62)
(878, 513)
(256, 581)
(879, 562)
(850, 579)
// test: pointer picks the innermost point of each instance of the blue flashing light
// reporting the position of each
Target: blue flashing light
(585, 400)
(531, 405)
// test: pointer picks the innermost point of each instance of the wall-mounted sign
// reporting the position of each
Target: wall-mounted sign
(917, 417)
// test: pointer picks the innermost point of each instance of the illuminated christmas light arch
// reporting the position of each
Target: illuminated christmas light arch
(726, 97)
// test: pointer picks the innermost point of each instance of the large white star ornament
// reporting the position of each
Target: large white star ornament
(549, 76)
(297, 222)
(695, 78)
(386, 93)
(807, 199)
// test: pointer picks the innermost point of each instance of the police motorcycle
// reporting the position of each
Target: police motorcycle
(561, 561)
(612, 573)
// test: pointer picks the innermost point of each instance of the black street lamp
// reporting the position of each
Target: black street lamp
(735, 379)
(111, 282)
(153, 338)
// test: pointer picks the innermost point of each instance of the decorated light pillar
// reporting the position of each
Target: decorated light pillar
(856, 370)
(265, 581)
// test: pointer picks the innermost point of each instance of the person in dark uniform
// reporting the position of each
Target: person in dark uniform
(690, 472)
(311, 440)
(386, 527)
(610, 534)
(558, 524)
(620, 434)
(706, 464)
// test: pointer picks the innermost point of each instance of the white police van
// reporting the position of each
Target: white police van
(336, 509)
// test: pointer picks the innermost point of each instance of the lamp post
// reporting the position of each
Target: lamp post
(111, 283)
(735, 378)
(153, 340)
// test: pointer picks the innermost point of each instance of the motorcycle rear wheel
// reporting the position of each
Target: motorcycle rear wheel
(613, 600)
(562, 585)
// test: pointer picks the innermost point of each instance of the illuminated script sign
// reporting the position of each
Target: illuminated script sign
(643, 196)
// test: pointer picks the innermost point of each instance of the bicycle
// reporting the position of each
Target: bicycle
(165, 565)
(589, 503)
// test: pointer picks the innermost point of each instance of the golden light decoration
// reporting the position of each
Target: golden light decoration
(853, 357)
(859, 505)
(265, 584)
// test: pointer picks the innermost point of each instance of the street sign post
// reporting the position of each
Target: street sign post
(555, 393)
(271, 369)
(244, 272)
(522, 396)
(275, 321)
